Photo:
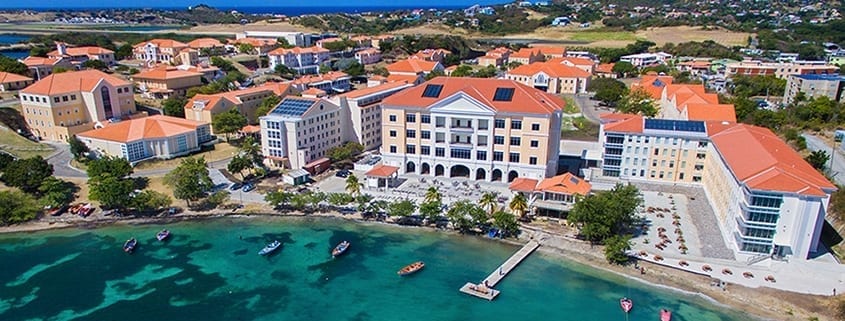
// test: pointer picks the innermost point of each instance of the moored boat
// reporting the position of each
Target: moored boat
(130, 245)
(164, 234)
(340, 249)
(270, 248)
(411, 268)
(626, 304)
(665, 315)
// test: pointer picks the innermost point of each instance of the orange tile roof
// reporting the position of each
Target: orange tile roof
(314, 92)
(653, 85)
(234, 97)
(605, 68)
(565, 184)
(7, 77)
(329, 76)
(255, 42)
(429, 53)
(633, 124)
(162, 43)
(204, 43)
(329, 40)
(525, 99)
(719, 112)
(361, 38)
(525, 53)
(522, 184)
(577, 61)
(410, 79)
(382, 171)
(210, 100)
(297, 51)
(412, 66)
(33, 61)
(157, 126)
(613, 117)
(498, 52)
(762, 161)
(555, 70)
(550, 49)
(72, 81)
(81, 51)
(165, 73)
(374, 89)
(251, 129)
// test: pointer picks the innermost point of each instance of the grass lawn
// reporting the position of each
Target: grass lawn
(580, 129)
(593, 36)
(570, 107)
(221, 151)
(156, 183)
(21, 147)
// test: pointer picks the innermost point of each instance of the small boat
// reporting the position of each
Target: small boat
(626, 304)
(665, 315)
(270, 248)
(340, 249)
(411, 268)
(130, 245)
(164, 234)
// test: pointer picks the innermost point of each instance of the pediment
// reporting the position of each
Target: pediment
(461, 103)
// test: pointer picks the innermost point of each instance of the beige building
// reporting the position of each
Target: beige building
(202, 108)
(147, 137)
(259, 46)
(497, 57)
(82, 54)
(65, 104)
(300, 130)
(42, 67)
(781, 70)
(527, 56)
(814, 86)
(10, 81)
(551, 196)
(552, 77)
(164, 82)
(482, 129)
(362, 111)
(207, 46)
(160, 51)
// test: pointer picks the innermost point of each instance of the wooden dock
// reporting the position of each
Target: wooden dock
(485, 289)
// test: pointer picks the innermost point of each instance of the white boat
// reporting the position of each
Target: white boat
(270, 248)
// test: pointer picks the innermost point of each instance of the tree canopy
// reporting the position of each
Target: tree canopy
(608, 90)
(109, 182)
(638, 102)
(267, 105)
(190, 180)
(229, 122)
(174, 106)
(606, 214)
(27, 174)
(12, 66)
(17, 207)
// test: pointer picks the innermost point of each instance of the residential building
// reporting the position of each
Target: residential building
(143, 138)
(82, 54)
(527, 56)
(322, 42)
(330, 82)
(368, 56)
(653, 84)
(258, 46)
(646, 59)
(207, 46)
(606, 71)
(552, 77)
(157, 51)
(767, 199)
(695, 67)
(479, 128)
(362, 109)
(584, 64)
(302, 60)
(42, 67)
(412, 70)
(297, 39)
(497, 57)
(436, 55)
(10, 81)
(779, 69)
(362, 41)
(814, 86)
(61, 105)
(692, 102)
(551, 196)
(164, 82)
(551, 52)
(300, 130)
(378, 40)
(202, 108)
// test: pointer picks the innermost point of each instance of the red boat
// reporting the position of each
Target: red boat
(626, 304)
(411, 268)
(665, 315)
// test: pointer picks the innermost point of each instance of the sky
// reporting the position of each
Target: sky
(229, 3)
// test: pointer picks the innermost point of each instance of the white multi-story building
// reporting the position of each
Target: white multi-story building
(767, 199)
(297, 39)
(303, 60)
(368, 56)
(160, 51)
(483, 129)
(814, 86)
(300, 130)
(362, 112)
(646, 59)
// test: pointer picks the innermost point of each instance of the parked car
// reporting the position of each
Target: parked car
(344, 173)
(248, 187)
(235, 186)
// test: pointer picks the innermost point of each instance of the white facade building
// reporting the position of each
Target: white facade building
(362, 113)
(300, 130)
(303, 60)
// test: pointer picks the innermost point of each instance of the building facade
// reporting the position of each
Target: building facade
(164, 82)
(362, 113)
(82, 54)
(64, 104)
(159, 51)
(10, 81)
(302, 60)
(368, 56)
(554, 78)
(156, 136)
(779, 69)
(202, 108)
(483, 129)
(330, 82)
(300, 130)
(814, 86)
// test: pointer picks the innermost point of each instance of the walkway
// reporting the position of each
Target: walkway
(485, 289)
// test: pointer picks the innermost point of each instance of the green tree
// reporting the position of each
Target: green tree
(111, 191)
(463, 214)
(431, 210)
(339, 199)
(363, 201)
(353, 187)
(123, 52)
(217, 198)
(519, 205)
(39, 51)
(267, 105)
(489, 201)
(238, 164)
(337, 45)
(615, 248)
(246, 48)
(228, 123)
(59, 70)
(462, 71)
(56, 192)
(608, 90)
(624, 69)
(251, 149)
(109, 166)
(513, 65)
(638, 102)
(149, 200)
(222, 63)
(174, 106)
(486, 72)
(189, 180)
(818, 159)
(95, 64)
(278, 198)
(345, 151)
(283, 43)
(12, 66)
(77, 148)
(606, 214)
(325, 68)
(432, 194)
(381, 71)
(506, 223)
(401, 208)
(434, 74)
(285, 71)
(27, 174)
(17, 207)
(5, 160)
(355, 69)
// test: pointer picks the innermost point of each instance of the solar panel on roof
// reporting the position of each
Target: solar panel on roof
(292, 107)
(675, 125)
(432, 90)
(503, 94)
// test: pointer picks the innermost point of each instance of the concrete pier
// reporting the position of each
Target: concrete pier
(485, 289)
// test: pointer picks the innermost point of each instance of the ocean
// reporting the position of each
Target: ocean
(210, 270)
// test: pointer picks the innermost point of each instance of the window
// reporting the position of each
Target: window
(513, 157)
(515, 141)
(439, 137)
(425, 150)
(55, 99)
(392, 133)
(461, 153)
(481, 155)
(439, 121)
(432, 91)
(425, 119)
(72, 97)
(516, 124)
(656, 151)
(503, 94)
(107, 108)
(425, 134)
(499, 123)
(392, 149)
(64, 98)
(439, 152)
(535, 143)
(411, 118)
(533, 161)
(410, 133)
(410, 149)
(392, 118)
(498, 156)
(535, 127)
(499, 140)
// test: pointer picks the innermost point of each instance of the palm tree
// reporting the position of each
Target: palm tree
(252, 150)
(433, 195)
(488, 201)
(519, 204)
(353, 187)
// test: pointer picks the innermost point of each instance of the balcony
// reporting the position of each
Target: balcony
(741, 220)
(460, 143)
(462, 129)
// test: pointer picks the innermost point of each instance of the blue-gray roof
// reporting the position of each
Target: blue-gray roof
(292, 107)
(675, 125)
(831, 77)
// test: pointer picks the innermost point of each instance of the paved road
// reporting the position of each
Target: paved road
(61, 162)
(589, 108)
(838, 158)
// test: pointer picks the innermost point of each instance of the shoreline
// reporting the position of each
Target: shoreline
(758, 303)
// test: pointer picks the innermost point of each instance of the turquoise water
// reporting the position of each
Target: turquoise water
(210, 270)
(6, 39)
